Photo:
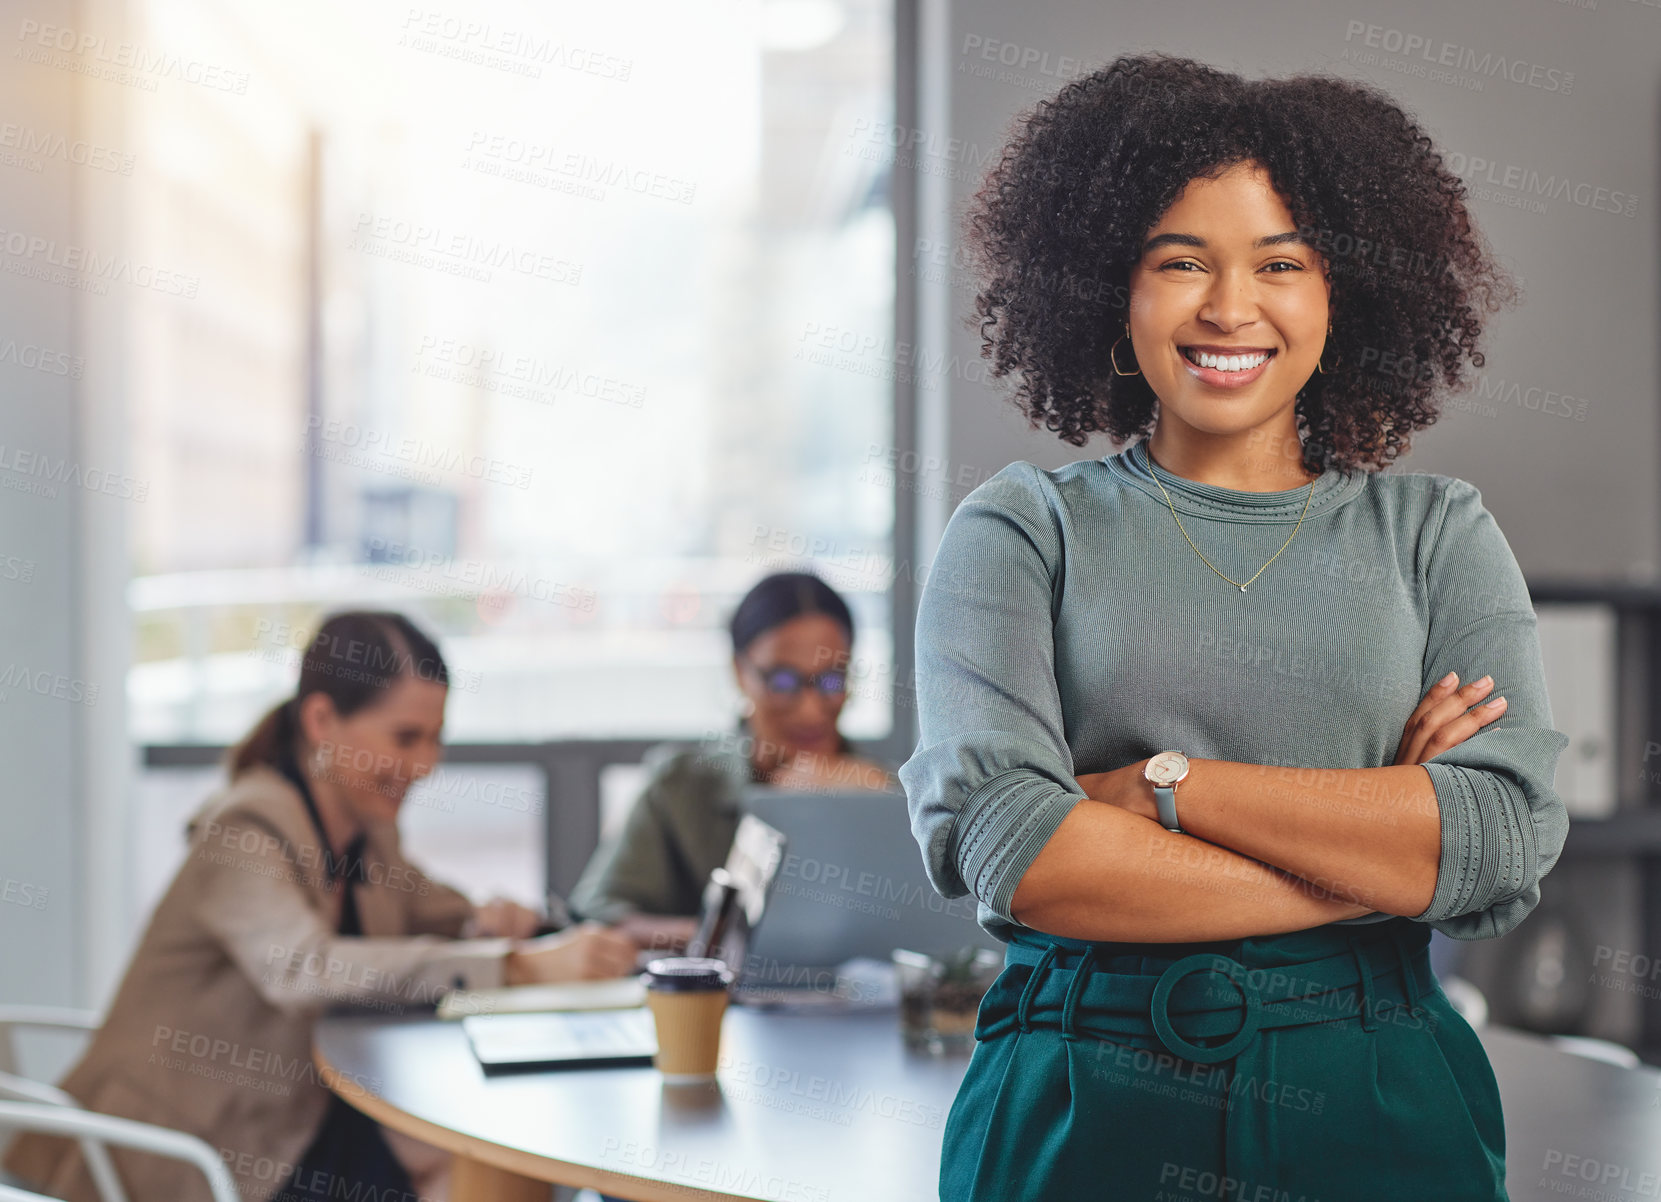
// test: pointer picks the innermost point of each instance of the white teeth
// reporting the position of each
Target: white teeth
(1227, 362)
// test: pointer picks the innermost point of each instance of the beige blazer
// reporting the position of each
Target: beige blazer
(210, 1031)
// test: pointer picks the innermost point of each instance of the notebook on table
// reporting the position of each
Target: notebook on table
(505, 1043)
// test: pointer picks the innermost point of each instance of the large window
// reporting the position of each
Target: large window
(505, 316)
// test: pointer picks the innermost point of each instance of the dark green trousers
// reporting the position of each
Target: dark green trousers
(1318, 1066)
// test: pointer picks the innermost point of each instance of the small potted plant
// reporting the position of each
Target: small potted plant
(940, 996)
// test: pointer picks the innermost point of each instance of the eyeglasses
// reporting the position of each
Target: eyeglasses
(781, 681)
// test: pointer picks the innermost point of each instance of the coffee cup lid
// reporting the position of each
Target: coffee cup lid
(687, 972)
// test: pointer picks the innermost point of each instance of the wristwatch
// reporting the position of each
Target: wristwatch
(1165, 770)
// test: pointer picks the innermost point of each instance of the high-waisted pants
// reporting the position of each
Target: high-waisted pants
(1324, 1065)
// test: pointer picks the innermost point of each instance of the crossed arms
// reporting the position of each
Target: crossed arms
(1265, 849)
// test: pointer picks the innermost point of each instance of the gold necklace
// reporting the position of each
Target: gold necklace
(1207, 562)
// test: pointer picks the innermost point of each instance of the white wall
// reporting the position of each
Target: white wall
(63, 564)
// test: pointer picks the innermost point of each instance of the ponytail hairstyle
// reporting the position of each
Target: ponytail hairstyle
(775, 600)
(355, 657)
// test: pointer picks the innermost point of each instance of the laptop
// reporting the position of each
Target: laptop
(813, 881)
(851, 884)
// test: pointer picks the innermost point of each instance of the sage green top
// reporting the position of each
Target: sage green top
(1067, 627)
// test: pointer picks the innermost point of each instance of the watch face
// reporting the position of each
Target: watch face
(1167, 768)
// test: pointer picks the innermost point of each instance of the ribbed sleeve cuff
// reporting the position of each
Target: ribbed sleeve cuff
(1005, 824)
(1488, 848)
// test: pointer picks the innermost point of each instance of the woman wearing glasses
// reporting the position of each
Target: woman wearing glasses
(792, 637)
(1219, 728)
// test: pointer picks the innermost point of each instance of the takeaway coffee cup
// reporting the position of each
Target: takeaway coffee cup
(687, 996)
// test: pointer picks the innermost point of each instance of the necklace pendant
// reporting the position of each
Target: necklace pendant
(1242, 588)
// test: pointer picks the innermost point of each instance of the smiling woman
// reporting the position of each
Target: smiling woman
(1213, 804)
(1216, 307)
(295, 895)
(1307, 217)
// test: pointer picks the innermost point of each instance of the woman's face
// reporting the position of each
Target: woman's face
(372, 756)
(1207, 283)
(806, 721)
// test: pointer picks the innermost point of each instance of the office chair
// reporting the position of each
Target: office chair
(10, 1193)
(39, 1018)
(17, 1088)
(107, 1129)
(99, 1167)
(1468, 1000)
(1473, 1008)
(1593, 1048)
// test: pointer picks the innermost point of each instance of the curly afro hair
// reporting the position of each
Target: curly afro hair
(1058, 224)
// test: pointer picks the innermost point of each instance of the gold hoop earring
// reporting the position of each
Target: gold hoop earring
(1112, 356)
(1335, 359)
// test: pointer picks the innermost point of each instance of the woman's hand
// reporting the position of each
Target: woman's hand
(1444, 718)
(1123, 787)
(811, 771)
(585, 952)
(499, 918)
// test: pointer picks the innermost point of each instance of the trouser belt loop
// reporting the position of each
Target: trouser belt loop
(1069, 1008)
(1409, 979)
(1366, 972)
(1024, 1006)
